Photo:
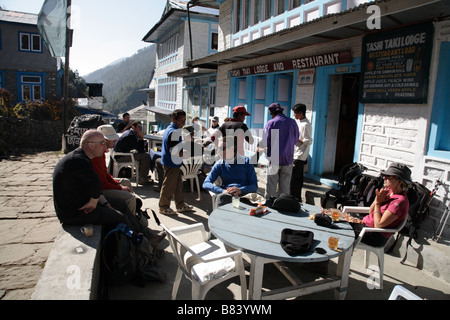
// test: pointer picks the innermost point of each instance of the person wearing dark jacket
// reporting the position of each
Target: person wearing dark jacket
(133, 139)
(77, 191)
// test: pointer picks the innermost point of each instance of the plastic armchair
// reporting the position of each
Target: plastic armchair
(379, 251)
(401, 292)
(205, 264)
(215, 198)
(191, 169)
(128, 160)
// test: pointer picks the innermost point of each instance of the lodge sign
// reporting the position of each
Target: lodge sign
(395, 65)
(300, 63)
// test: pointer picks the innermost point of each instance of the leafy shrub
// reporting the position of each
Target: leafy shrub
(6, 104)
(51, 109)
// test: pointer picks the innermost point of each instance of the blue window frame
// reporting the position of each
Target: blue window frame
(2, 79)
(439, 137)
(31, 86)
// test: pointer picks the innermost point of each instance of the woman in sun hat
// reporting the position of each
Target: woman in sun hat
(390, 206)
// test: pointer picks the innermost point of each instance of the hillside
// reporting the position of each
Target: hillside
(123, 78)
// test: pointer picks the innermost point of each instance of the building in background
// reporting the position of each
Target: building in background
(177, 85)
(27, 69)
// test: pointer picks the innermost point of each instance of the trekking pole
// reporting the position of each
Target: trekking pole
(442, 224)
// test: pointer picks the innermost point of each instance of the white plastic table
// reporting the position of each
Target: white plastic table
(259, 237)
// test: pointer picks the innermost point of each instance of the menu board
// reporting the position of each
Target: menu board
(395, 65)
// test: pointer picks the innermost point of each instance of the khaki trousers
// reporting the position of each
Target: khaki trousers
(172, 186)
(128, 197)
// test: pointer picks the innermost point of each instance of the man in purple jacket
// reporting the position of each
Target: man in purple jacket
(280, 135)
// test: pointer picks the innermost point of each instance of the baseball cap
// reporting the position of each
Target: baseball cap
(275, 108)
(241, 109)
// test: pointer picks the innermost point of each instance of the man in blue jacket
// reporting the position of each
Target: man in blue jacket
(171, 160)
(237, 173)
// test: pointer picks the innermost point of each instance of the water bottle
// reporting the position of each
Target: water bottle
(125, 229)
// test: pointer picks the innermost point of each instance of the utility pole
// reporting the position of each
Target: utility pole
(66, 65)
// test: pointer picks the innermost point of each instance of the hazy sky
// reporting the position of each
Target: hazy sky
(104, 30)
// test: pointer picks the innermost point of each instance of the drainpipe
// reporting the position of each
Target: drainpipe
(190, 33)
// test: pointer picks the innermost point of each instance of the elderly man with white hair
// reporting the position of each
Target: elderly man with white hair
(77, 191)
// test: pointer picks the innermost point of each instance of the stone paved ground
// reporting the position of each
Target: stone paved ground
(28, 224)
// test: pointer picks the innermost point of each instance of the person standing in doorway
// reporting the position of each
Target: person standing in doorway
(301, 150)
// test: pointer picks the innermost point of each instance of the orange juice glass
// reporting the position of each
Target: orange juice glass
(333, 242)
(335, 215)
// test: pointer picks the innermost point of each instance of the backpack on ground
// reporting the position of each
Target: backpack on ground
(419, 198)
(129, 257)
(355, 188)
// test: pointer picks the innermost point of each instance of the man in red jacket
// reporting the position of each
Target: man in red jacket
(112, 188)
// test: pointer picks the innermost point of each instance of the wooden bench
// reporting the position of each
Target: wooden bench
(72, 270)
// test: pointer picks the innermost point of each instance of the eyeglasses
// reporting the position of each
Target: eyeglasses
(101, 142)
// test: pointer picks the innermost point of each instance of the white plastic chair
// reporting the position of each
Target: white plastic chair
(379, 251)
(214, 196)
(401, 292)
(128, 160)
(205, 264)
(191, 169)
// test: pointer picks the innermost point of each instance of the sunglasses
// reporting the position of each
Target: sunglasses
(101, 142)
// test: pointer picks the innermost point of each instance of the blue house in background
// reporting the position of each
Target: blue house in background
(27, 69)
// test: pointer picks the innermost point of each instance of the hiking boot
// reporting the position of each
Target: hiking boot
(157, 238)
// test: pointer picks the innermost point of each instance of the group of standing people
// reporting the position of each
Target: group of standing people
(285, 141)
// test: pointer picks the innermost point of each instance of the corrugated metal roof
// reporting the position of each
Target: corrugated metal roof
(182, 5)
(18, 17)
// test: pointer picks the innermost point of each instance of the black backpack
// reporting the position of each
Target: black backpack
(419, 198)
(349, 187)
(366, 191)
(119, 255)
(129, 257)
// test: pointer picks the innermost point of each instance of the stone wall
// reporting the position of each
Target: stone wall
(27, 134)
